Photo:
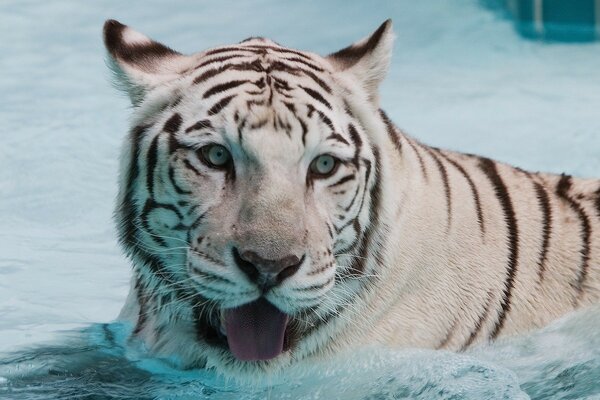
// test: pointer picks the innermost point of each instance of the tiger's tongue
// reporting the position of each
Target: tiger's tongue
(255, 331)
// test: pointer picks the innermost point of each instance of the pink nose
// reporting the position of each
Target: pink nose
(266, 273)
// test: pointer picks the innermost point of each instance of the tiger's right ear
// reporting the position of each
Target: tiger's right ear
(368, 59)
(139, 63)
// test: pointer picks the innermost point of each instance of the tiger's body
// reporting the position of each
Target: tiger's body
(398, 244)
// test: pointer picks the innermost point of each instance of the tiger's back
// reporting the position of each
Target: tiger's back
(499, 249)
(263, 186)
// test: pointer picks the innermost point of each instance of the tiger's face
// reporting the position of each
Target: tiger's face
(246, 188)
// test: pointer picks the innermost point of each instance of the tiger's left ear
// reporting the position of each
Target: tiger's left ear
(139, 63)
(368, 60)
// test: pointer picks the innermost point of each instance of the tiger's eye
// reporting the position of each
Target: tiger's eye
(323, 165)
(216, 155)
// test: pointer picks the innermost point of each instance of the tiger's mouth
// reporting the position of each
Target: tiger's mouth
(255, 331)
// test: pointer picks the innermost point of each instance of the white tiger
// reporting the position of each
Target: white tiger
(273, 213)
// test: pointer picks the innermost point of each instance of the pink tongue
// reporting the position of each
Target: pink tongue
(255, 331)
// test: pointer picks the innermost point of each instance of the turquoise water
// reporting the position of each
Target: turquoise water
(461, 78)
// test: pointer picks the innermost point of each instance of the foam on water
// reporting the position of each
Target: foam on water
(461, 78)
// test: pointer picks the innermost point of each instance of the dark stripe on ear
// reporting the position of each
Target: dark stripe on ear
(479, 323)
(391, 131)
(562, 190)
(152, 160)
(350, 55)
(220, 105)
(139, 54)
(172, 125)
(489, 169)
(474, 191)
(446, 183)
(223, 87)
(546, 211)
(317, 96)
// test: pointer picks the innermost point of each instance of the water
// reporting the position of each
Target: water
(462, 78)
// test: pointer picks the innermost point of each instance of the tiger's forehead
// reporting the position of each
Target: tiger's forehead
(258, 93)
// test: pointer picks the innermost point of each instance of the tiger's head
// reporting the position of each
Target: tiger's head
(249, 188)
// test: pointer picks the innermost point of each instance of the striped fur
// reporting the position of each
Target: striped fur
(403, 244)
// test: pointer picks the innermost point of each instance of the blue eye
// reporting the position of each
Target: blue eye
(324, 165)
(215, 155)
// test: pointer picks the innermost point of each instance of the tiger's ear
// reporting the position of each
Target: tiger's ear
(139, 63)
(368, 59)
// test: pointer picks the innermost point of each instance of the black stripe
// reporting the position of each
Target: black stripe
(174, 183)
(474, 191)
(479, 323)
(202, 124)
(152, 160)
(418, 154)
(242, 66)
(356, 193)
(218, 59)
(308, 64)
(278, 49)
(446, 183)
(128, 219)
(223, 87)
(150, 206)
(240, 130)
(358, 264)
(316, 95)
(317, 80)
(339, 138)
(189, 166)
(391, 130)
(220, 105)
(304, 131)
(598, 201)
(227, 49)
(342, 180)
(290, 107)
(324, 118)
(143, 312)
(449, 335)
(172, 125)
(562, 190)
(489, 168)
(210, 73)
(546, 210)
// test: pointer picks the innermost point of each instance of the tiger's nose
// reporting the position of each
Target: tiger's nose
(266, 273)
